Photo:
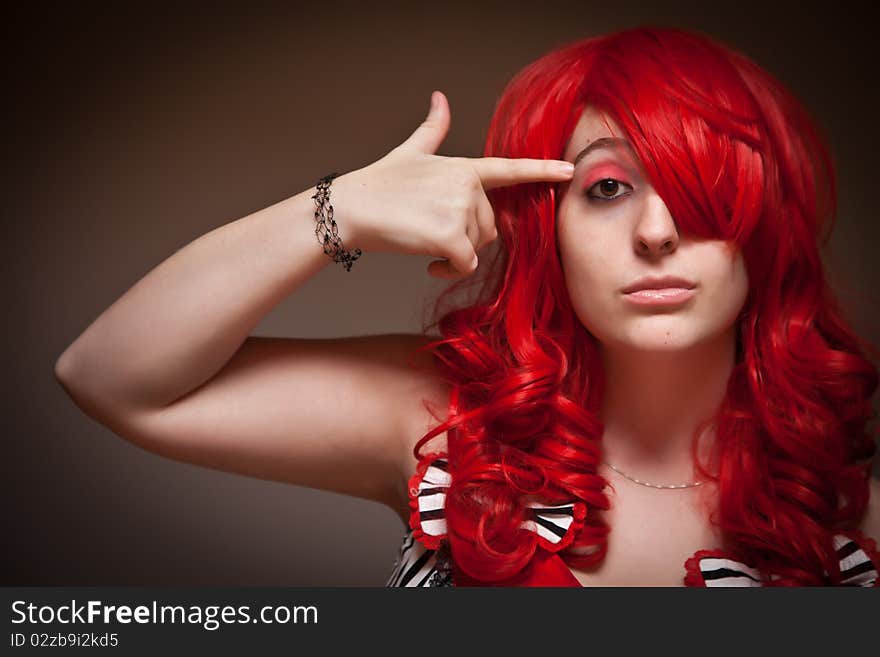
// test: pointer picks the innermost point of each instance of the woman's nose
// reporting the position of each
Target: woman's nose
(655, 232)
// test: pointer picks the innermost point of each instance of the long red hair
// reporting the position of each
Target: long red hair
(734, 156)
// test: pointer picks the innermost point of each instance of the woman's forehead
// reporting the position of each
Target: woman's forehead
(598, 135)
(592, 125)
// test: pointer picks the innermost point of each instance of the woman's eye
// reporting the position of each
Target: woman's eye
(608, 190)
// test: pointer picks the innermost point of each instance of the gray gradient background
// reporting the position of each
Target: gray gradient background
(130, 136)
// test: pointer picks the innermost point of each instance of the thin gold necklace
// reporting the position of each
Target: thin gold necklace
(645, 483)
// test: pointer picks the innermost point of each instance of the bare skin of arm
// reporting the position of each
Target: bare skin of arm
(171, 367)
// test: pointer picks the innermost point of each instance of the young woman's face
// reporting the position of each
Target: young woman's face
(613, 230)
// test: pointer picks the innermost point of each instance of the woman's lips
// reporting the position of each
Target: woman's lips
(667, 296)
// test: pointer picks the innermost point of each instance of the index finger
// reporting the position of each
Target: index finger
(503, 171)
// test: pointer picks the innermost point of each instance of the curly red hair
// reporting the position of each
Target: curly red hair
(736, 157)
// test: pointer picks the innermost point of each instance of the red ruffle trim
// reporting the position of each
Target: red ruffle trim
(693, 575)
(432, 542)
(579, 513)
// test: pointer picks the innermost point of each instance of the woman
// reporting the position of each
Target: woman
(653, 387)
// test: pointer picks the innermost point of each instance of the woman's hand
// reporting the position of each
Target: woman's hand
(413, 201)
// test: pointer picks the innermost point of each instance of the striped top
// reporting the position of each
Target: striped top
(424, 560)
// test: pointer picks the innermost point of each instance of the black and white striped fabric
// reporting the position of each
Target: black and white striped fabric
(718, 571)
(550, 522)
(419, 566)
(431, 496)
(424, 560)
(416, 565)
(856, 568)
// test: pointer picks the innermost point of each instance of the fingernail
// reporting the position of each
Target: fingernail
(565, 167)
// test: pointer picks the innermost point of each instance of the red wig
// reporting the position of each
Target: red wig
(736, 157)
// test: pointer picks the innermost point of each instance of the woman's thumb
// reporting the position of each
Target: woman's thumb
(431, 133)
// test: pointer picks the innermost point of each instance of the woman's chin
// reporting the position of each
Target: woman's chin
(662, 342)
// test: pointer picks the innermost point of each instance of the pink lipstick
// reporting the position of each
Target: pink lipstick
(667, 296)
(659, 291)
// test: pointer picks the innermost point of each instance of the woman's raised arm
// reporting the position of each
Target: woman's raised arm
(170, 365)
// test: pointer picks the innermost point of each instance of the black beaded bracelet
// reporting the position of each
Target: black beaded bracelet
(329, 237)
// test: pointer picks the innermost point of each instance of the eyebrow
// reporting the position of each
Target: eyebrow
(603, 142)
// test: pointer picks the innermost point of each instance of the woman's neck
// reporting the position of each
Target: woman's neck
(654, 401)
